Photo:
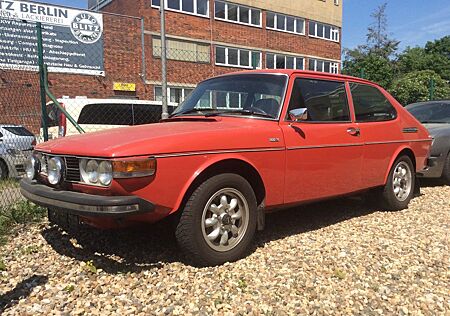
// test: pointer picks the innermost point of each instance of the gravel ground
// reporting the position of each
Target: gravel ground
(333, 258)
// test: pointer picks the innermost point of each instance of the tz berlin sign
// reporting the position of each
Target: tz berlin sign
(72, 39)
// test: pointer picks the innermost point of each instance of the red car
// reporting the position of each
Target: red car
(240, 145)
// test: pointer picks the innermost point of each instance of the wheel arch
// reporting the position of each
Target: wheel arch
(237, 165)
(404, 150)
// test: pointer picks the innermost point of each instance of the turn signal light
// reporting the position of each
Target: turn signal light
(134, 168)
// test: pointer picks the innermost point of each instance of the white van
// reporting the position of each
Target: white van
(98, 114)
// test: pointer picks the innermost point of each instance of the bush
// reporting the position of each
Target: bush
(415, 87)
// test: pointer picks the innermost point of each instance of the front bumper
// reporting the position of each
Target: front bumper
(84, 204)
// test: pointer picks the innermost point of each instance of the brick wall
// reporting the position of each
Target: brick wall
(123, 62)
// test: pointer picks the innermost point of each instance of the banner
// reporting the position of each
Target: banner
(72, 39)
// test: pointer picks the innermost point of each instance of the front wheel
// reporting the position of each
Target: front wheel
(399, 189)
(3, 170)
(218, 222)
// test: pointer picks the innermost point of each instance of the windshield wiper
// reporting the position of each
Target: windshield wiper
(245, 112)
(190, 111)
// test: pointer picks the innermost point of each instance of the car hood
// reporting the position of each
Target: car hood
(438, 129)
(169, 137)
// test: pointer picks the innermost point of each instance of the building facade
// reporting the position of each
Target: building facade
(212, 37)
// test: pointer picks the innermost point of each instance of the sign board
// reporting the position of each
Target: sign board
(122, 86)
(72, 39)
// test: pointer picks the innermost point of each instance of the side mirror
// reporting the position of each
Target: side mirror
(297, 115)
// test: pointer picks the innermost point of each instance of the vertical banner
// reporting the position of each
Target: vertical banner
(72, 39)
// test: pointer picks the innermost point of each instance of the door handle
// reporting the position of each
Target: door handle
(354, 131)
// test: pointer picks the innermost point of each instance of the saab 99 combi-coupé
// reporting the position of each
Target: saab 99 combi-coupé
(240, 145)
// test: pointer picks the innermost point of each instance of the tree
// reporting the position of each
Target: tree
(435, 56)
(378, 40)
(415, 86)
(373, 59)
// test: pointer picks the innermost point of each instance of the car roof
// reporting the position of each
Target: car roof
(412, 105)
(291, 72)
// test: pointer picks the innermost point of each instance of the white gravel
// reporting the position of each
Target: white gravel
(332, 258)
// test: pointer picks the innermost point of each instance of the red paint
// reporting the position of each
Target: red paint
(334, 162)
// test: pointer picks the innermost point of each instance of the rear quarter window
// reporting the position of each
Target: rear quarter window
(106, 114)
(370, 104)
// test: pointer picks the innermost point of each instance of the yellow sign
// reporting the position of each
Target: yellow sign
(123, 86)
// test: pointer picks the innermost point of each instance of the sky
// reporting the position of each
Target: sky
(412, 22)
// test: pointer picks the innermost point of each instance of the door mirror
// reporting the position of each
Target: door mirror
(298, 115)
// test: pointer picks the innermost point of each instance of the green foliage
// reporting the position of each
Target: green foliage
(69, 288)
(90, 267)
(418, 58)
(21, 213)
(2, 266)
(414, 87)
(339, 274)
(371, 66)
(407, 76)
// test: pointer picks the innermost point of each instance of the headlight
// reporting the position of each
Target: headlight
(105, 174)
(32, 168)
(55, 168)
(89, 171)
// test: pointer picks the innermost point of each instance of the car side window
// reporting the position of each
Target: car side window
(370, 104)
(107, 114)
(324, 100)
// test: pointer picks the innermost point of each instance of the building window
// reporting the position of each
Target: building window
(175, 95)
(277, 61)
(324, 31)
(238, 57)
(237, 13)
(285, 23)
(196, 7)
(336, 2)
(323, 66)
(183, 50)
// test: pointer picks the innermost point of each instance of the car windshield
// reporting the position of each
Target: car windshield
(431, 112)
(250, 94)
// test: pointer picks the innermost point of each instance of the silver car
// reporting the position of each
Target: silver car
(17, 137)
(435, 116)
(12, 162)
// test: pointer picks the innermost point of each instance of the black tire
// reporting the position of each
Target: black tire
(4, 172)
(390, 201)
(190, 230)
(446, 171)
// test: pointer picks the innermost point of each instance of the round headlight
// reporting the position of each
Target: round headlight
(55, 170)
(32, 168)
(92, 171)
(105, 174)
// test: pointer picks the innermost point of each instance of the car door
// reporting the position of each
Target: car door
(324, 150)
(380, 130)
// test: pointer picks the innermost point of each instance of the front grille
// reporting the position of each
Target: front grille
(72, 169)
(72, 166)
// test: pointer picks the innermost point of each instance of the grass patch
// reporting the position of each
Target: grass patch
(22, 212)
(9, 184)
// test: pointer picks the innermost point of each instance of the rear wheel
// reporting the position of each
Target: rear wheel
(218, 223)
(3, 170)
(446, 171)
(399, 189)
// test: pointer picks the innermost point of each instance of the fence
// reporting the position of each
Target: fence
(94, 80)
